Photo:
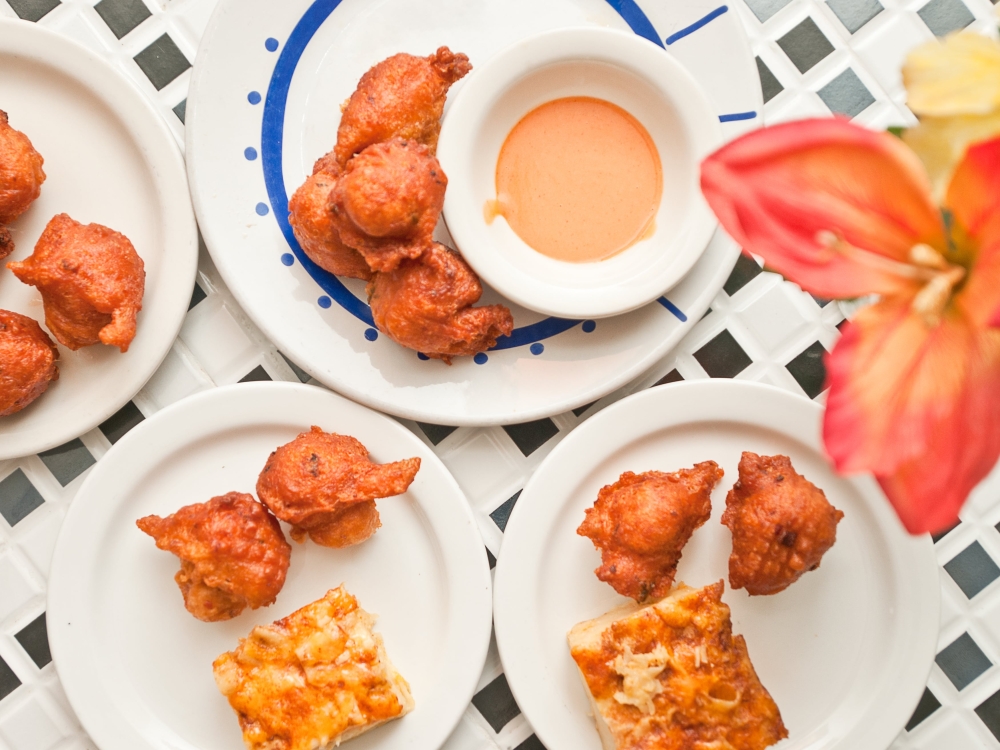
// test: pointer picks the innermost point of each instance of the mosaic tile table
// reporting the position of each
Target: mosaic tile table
(813, 57)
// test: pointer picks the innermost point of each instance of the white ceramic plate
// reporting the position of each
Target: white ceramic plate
(845, 651)
(265, 103)
(137, 668)
(117, 164)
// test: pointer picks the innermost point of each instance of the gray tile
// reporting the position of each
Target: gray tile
(764, 9)
(436, 432)
(723, 357)
(928, 705)
(770, 86)
(846, 95)
(118, 424)
(8, 680)
(68, 461)
(256, 375)
(34, 639)
(301, 374)
(805, 45)
(530, 436)
(671, 377)
(197, 294)
(745, 271)
(855, 13)
(944, 16)
(972, 569)
(989, 710)
(502, 514)
(18, 497)
(963, 661)
(122, 16)
(808, 369)
(181, 110)
(162, 61)
(32, 10)
(496, 703)
(532, 743)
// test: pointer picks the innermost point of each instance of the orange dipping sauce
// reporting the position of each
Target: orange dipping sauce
(578, 179)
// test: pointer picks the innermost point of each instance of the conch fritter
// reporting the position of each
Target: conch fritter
(21, 177)
(325, 486)
(233, 554)
(388, 202)
(313, 679)
(91, 281)
(400, 97)
(672, 676)
(310, 215)
(426, 304)
(643, 521)
(782, 525)
(27, 362)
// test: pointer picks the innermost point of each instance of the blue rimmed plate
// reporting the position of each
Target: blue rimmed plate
(265, 103)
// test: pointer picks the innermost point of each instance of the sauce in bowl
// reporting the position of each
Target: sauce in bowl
(578, 179)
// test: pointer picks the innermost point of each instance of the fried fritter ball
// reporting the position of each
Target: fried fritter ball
(782, 525)
(27, 362)
(643, 521)
(325, 486)
(400, 97)
(21, 173)
(233, 554)
(91, 281)
(312, 222)
(6, 242)
(388, 202)
(426, 305)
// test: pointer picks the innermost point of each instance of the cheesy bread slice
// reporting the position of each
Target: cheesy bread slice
(313, 679)
(671, 675)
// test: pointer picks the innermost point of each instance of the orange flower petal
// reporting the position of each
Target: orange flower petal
(917, 406)
(778, 190)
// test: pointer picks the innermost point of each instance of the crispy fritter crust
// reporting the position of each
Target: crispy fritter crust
(388, 202)
(313, 679)
(642, 522)
(27, 362)
(782, 525)
(426, 305)
(325, 486)
(6, 242)
(91, 281)
(233, 554)
(21, 173)
(312, 222)
(400, 97)
(672, 676)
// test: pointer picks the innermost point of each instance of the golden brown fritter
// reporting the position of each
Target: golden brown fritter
(642, 522)
(27, 362)
(6, 242)
(388, 202)
(325, 486)
(233, 554)
(21, 173)
(426, 305)
(400, 97)
(782, 525)
(91, 281)
(312, 222)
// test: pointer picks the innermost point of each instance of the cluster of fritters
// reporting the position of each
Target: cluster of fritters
(320, 675)
(667, 671)
(90, 278)
(369, 209)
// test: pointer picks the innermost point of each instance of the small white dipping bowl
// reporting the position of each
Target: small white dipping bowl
(605, 64)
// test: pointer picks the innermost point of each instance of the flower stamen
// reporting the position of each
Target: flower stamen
(930, 301)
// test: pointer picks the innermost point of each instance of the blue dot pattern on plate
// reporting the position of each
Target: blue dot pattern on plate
(271, 44)
(589, 326)
(262, 209)
(324, 302)
(537, 349)
(371, 334)
(250, 153)
(481, 359)
(254, 97)
(421, 355)
(288, 259)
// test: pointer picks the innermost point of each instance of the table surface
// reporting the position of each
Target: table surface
(813, 57)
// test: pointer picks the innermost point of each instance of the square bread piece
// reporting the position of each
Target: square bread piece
(672, 676)
(313, 679)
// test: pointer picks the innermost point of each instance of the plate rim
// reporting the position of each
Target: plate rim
(920, 550)
(97, 709)
(164, 164)
(487, 415)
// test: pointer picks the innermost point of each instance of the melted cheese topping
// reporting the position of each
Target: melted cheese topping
(639, 673)
(312, 679)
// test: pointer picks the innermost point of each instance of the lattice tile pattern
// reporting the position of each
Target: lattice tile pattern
(815, 57)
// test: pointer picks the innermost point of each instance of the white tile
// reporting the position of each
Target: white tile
(776, 316)
(952, 733)
(178, 376)
(29, 727)
(38, 541)
(14, 584)
(884, 50)
(480, 467)
(468, 735)
(217, 341)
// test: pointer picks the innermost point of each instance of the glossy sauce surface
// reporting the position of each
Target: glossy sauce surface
(578, 179)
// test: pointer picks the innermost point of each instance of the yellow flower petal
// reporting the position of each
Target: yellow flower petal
(958, 76)
(941, 143)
